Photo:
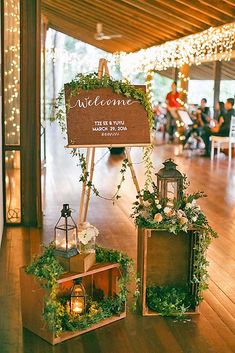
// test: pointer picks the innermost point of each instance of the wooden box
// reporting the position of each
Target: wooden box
(78, 263)
(102, 276)
(165, 259)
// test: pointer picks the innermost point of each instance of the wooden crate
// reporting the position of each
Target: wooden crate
(165, 259)
(103, 276)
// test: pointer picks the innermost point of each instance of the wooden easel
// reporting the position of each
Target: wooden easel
(90, 162)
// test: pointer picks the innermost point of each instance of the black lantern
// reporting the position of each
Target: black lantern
(66, 234)
(78, 298)
(170, 182)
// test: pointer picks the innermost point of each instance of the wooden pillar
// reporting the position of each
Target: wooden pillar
(175, 74)
(30, 25)
(183, 77)
(217, 79)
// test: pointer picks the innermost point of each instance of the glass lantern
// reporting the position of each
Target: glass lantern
(170, 182)
(78, 298)
(65, 234)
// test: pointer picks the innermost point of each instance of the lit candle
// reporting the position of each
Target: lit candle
(78, 308)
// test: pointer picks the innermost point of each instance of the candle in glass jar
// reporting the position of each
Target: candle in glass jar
(77, 308)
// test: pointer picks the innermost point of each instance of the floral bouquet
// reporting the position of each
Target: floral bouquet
(87, 237)
(150, 211)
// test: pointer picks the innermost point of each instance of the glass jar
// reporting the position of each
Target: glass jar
(87, 237)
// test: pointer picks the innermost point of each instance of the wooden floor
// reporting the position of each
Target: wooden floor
(211, 332)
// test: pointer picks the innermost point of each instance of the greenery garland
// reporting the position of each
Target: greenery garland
(151, 211)
(47, 270)
(90, 82)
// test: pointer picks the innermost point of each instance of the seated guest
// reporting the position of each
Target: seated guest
(222, 127)
(219, 110)
(203, 113)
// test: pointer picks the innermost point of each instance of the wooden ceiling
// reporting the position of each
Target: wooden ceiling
(142, 23)
(205, 71)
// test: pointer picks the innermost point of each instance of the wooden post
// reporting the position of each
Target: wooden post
(30, 67)
(91, 172)
(175, 74)
(84, 187)
(184, 74)
(217, 78)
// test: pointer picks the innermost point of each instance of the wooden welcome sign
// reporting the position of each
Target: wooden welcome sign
(101, 117)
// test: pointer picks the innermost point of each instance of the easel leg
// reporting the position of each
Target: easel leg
(84, 188)
(133, 174)
(91, 172)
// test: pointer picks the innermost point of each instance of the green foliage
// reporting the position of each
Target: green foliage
(46, 268)
(56, 314)
(90, 82)
(168, 300)
(84, 177)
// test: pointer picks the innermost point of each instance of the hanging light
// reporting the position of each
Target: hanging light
(65, 234)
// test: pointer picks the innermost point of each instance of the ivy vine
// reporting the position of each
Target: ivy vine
(57, 315)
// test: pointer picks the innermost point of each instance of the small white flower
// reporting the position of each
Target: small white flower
(188, 205)
(194, 219)
(157, 202)
(159, 206)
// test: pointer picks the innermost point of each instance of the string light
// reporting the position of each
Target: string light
(210, 45)
(11, 72)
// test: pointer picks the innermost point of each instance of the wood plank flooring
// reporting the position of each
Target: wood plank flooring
(213, 331)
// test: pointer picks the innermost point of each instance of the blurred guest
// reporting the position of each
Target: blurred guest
(222, 127)
(172, 104)
(219, 110)
(203, 113)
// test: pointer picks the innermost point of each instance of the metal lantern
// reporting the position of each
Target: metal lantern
(170, 182)
(78, 298)
(65, 234)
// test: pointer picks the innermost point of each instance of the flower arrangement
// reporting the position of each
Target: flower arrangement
(150, 211)
(87, 234)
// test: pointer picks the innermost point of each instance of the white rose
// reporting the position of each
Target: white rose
(159, 206)
(168, 211)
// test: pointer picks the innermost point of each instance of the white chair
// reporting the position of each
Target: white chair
(224, 141)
